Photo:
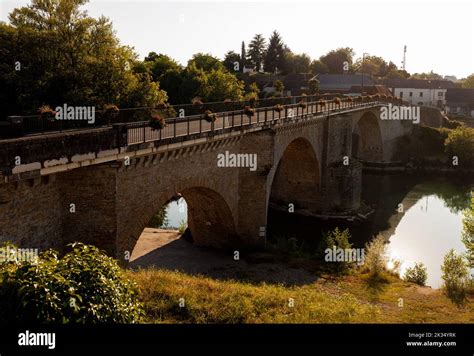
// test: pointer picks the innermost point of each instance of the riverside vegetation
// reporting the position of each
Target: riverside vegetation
(85, 286)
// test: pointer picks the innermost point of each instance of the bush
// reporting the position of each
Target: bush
(339, 240)
(468, 233)
(455, 276)
(85, 286)
(376, 256)
(460, 143)
(417, 274)
(249, 111)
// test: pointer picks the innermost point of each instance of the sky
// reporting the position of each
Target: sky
(439, 35)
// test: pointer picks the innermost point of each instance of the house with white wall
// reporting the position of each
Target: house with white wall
(420, 91)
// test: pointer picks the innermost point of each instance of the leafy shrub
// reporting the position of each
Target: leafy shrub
(417, 274)
(337, 239)
(468, 233)
(376, 256)
(85, 286)
(460, 143)
(455, 276)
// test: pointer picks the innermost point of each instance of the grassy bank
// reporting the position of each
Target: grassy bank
(348, 299)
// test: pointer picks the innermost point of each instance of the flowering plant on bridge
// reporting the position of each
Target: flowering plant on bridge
(337, 101)
(157, 122)
(302, 104)
(197, 101)
(322, 103)
(110, 112)
(249, 111)
(350, 99)
(46, 113)
(209, 116)
(278, 108)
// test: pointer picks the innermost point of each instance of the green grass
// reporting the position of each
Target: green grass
(355, 298)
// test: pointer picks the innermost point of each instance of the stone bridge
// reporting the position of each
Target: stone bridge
(102, 186)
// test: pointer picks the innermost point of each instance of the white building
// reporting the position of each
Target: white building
(420, 91)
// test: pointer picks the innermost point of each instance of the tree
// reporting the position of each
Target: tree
(206, 62)
(298, 63)
(468, 83)
(230, 60)
(455, 274)
(256, 51)
(243, 56)
(371, 65)
(431, 75)
(275, 54)
(219, 85)
(278, 85)
(460, 143)
(68, 57)
(468, 233)
(335, 60)
(158, 64)
(314, 85)
(318, 67)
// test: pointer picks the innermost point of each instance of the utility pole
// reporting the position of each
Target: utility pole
(404, 62)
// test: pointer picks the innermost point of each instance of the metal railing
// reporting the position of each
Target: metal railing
(192, 126)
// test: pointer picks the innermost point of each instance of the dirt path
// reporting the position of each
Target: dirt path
(165, 249)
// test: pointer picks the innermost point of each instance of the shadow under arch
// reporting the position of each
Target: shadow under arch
(210, 219)
(297, 178)
(367, 142)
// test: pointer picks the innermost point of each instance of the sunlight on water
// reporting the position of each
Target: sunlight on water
(426, 232)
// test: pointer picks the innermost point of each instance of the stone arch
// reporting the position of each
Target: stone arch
(297, 178)
(210, 218)
(367, 144)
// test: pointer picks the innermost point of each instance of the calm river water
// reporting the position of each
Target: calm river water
(427, 228)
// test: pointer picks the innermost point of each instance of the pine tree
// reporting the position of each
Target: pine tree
(256, 51)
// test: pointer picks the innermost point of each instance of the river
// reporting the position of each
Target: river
(426, 225)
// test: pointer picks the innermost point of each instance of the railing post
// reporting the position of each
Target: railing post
(144, 128)
(188, 125)
(174, 128)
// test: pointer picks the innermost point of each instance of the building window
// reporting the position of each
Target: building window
(401, 94)
(411, 93)
(440, 93)
(421, 94)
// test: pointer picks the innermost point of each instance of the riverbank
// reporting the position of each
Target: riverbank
(176, 297)
(182, 283)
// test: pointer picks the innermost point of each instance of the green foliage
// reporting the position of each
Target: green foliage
(278, 84)
(376, 256)
(468, 233)
(468, 83)
(275, 55)
(206, 62)
(340, 240)
(230, 59)
(417, 274)
(159, 64)
(160, 219)
(85, 286)
(460, 143)
(256, 51)
(182, 227)
(68, 57)
(334, 60)
(455, 276)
